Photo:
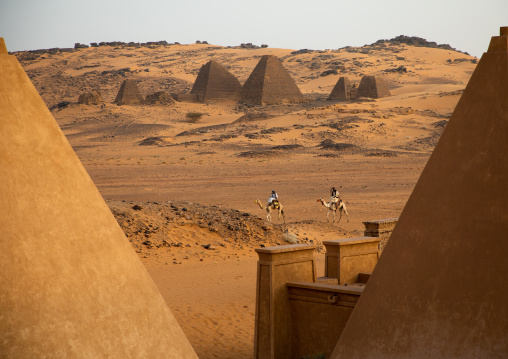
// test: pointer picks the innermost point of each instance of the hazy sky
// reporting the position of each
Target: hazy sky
(466, 25)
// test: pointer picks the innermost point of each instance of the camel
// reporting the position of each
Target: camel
(333, 207)
(272, 207)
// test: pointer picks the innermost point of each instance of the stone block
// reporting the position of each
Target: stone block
(346, 258)
(277, 266)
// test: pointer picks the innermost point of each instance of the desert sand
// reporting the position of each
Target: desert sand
(182, 187)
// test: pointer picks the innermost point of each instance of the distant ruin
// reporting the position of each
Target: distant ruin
(216, 84)
(372, 87)
(90, 98)
(341, 90)
(160, 98)
(71, 284)
(129, 94)
(270, 83)
(185, 97)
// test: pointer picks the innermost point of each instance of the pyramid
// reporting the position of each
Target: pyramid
(71, 285)
(439, 290)
(372, 87)
(342, 90)
(215, 84)
(129, 94)
(270, 83)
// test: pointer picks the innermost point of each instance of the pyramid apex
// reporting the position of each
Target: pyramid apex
(3, 48)
(499, 43)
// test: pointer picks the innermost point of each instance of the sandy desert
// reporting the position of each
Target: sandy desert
(182, 179)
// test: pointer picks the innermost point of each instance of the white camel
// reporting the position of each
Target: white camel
(333, 207)
(272, 206)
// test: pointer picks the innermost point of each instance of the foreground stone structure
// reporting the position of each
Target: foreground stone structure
(270, 83)
(277, 266)
(439, 289)
(297, 317)
(129, 94)
(71, 286)
(342, 90)
(346, 258)
(372, 87)
(216, 84)
(319, 313)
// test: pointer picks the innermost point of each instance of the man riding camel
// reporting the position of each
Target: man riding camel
(334, 195)
(273, 197)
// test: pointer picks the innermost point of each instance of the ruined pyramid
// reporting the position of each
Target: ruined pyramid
(270, 83)
(440, 290)
(216, 84)
(341, 90)
(372, 87)
(71, 285)
(129, 94)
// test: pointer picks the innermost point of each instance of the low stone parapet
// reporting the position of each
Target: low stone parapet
(276, 267)
(346, 258)
(319, 313)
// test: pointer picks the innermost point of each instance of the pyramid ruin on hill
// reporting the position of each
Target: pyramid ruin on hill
(129, 94)
(160, 98)
(439, 290)
(270, 83)
(372, 87)
(341, 90)
(71, 285)
(216, 84)
(90, 98)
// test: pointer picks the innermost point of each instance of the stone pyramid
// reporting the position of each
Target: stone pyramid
(440, 290)
(129, 94)
(71, 286)
(270, 83)
(372, 87)
(216, 84)
(341, 90)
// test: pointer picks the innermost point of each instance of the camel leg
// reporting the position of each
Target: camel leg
(333, 212)
(327, 213)
(340, 215)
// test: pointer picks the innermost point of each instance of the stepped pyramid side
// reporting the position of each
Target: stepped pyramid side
(215, 84)
(439, 290)
(270, 83)
(71, 286)
(129, 94)
(373, 87)
(342, 90)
